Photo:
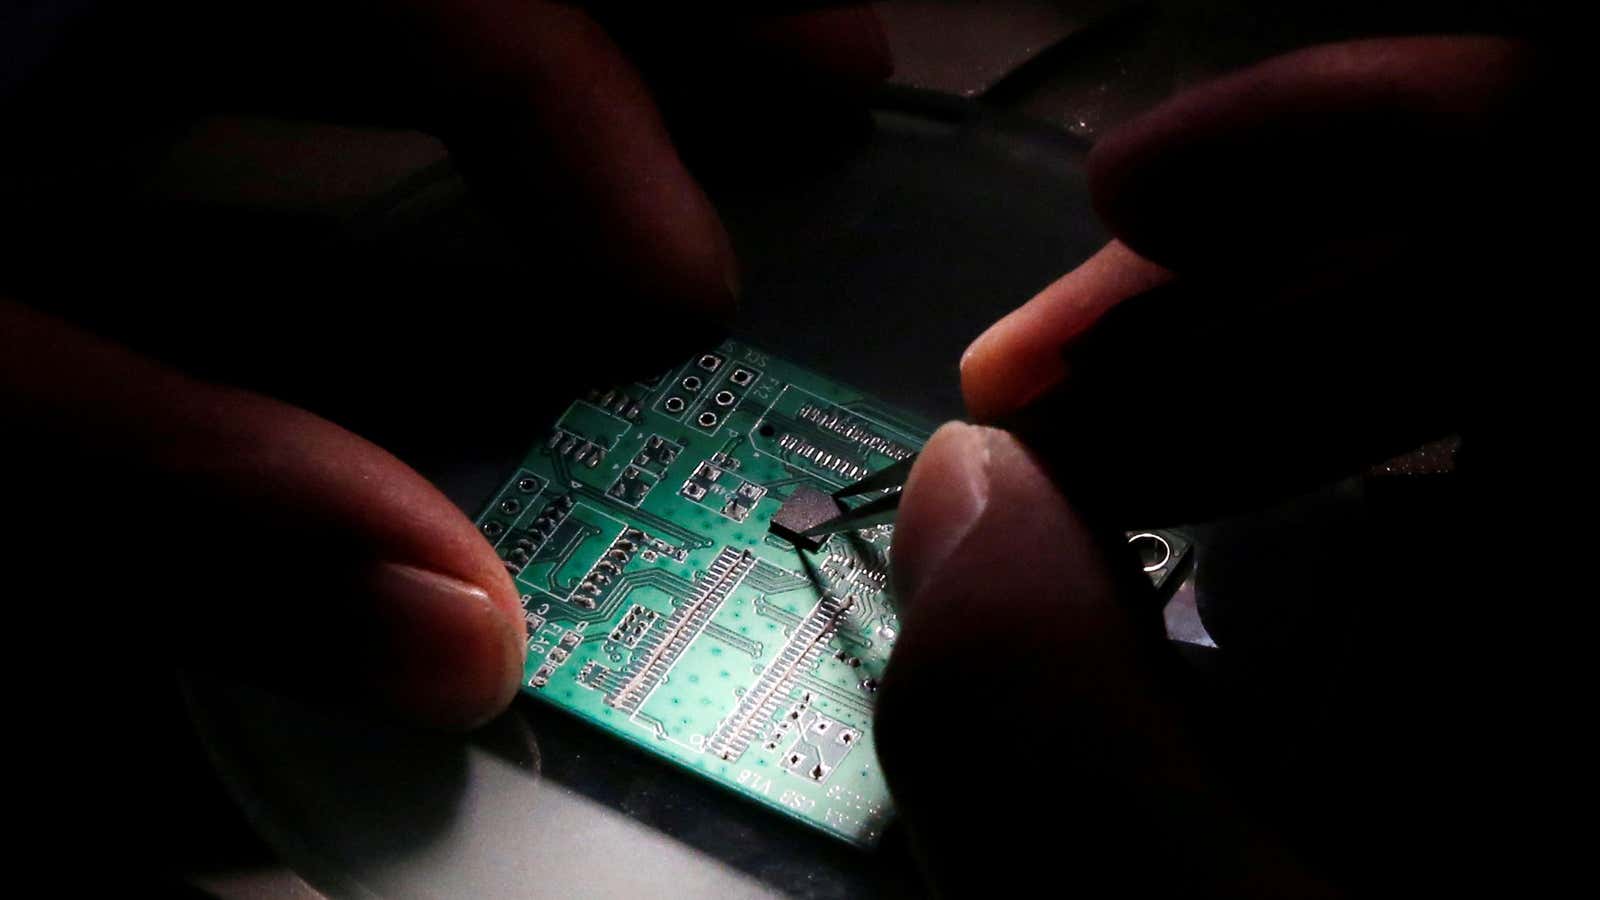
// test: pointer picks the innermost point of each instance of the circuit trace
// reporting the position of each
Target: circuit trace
(662, 606)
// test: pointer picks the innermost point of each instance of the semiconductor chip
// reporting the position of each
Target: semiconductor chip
(805, 508)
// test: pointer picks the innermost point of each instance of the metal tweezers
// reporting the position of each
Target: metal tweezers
(876, 511)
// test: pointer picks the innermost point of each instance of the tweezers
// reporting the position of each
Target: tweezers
(876, 511)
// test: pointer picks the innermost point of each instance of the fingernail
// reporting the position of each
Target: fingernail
(1025, 355)
(974, 347)
(440, 652)
(1006, 368)
(944, 498)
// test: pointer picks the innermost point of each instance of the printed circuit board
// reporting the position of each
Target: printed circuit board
(661, 608)
(652, 536)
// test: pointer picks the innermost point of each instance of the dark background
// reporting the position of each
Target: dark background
(874, 254)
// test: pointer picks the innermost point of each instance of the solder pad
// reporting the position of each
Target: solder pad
(660, 608)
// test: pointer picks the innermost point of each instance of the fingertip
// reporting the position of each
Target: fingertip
(440, 650)
(506, 599)
(667, 243)
(1008, 366)
(1025, 354)
(945, 495)
(983, 529)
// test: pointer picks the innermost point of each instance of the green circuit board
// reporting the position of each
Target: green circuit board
(662, 609)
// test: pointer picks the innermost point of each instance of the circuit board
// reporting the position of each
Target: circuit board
(671, 599)
(661, 608)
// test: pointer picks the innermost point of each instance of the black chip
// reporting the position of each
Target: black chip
(806, 508)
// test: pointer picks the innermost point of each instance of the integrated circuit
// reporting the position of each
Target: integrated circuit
(805, 508)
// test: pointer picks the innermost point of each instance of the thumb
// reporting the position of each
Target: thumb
(265, 541)
(1024, 644)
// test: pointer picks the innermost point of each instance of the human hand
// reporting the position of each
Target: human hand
(281, 545)
(1310, 253)
(1032, 722)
